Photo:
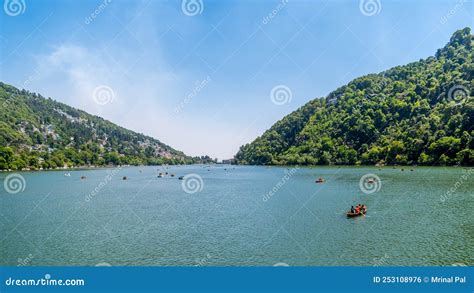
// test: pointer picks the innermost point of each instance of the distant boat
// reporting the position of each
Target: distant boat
(83, 177)
(319, 180)
(67, 174)
(360, 213)
(172, 175)
(352, 215)
(181, 177)
(160, 176)
(124, 178)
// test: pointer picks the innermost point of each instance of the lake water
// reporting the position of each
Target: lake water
(238, 215)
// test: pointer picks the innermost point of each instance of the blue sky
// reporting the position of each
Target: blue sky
(202, 83)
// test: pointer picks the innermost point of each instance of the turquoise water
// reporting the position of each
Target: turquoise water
(232, 219)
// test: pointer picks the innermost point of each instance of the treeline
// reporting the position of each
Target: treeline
(40, 133)
(69, 157)
(421, 113)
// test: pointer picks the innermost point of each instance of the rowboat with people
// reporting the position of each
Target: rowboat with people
(359, 210)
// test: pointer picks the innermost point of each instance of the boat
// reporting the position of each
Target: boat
(181, 177)
(67, 174)
(160, 176)
(352, 215)
(124, 178)
(319, 180)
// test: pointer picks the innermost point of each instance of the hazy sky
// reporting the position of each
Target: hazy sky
(198, 75)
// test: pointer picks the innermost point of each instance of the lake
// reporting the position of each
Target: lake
(226, 215)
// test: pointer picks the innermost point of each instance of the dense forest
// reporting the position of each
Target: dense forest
(40, 133)
(420, 113)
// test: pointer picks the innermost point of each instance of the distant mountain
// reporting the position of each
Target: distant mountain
(41, 133)
(419, 113)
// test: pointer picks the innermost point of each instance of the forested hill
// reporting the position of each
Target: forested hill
(41, 133)
(419, 113)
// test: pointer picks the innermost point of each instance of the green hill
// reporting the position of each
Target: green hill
(419, 113)
(41, 133)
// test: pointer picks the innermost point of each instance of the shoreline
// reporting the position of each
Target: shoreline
(87, 168)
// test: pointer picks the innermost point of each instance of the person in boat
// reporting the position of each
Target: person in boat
(352, 209)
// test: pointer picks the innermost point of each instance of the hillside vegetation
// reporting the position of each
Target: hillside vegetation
(419, 113)
(36, 133)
